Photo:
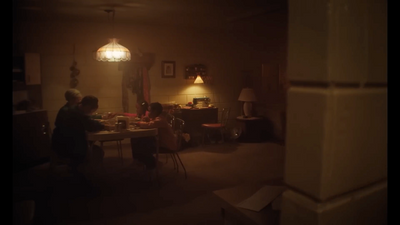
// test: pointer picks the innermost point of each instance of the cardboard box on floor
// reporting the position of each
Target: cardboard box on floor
(244, 196)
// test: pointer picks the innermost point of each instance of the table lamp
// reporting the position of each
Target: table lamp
(247, 96)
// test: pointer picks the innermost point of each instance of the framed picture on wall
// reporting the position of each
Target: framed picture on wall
(168, 69)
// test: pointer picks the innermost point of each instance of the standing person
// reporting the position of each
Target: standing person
(70, 141)
(144, 148)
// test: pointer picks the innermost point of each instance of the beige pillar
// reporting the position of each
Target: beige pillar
(336, 135)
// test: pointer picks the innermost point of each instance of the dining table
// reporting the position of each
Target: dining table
(105, 135)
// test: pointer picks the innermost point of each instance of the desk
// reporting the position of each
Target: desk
(135, 133)
(194, 118)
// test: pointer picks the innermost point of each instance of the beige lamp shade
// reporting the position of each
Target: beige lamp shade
(247, 95)
(113, 52)
(198, 80)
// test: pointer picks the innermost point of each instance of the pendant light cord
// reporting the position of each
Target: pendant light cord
(112, 19)
(112, 24)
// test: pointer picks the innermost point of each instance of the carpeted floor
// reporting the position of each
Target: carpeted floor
(121, 195)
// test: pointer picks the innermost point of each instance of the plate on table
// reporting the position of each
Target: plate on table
(102, 121)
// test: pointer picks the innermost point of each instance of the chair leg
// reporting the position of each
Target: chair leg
(184, 169)
(119, 154)
(173, 160)
(119, 148)
(208, 137)
(176, 162)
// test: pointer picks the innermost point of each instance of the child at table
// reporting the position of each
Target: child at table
(141, 112)
(144, 148)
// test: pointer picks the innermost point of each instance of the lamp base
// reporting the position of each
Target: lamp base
(247, 109)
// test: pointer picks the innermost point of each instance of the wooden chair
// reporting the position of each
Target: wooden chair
(56, 161)
(171, 120)
(220, 126)
(178, 127)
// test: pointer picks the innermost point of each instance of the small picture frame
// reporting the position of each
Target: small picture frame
(168, 69)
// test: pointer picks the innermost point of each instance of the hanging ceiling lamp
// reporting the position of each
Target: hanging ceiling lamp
(113, 52)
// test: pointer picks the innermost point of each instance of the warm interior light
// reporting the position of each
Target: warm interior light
(198, 80)
(113, 52)
(247, 96)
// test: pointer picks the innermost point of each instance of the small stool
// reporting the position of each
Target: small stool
(119, 148)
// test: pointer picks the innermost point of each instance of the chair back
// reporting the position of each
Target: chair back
(224, 116)
(178, 130)
(170, 119)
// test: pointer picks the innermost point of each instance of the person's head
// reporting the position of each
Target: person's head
(155, 109)
(141, 108)
(89, 104)
(73, 96)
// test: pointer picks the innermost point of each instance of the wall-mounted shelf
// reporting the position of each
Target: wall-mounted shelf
(192, 71)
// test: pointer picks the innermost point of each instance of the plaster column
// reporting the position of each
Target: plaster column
(336, 134)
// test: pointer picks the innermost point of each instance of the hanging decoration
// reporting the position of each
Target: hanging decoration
(135, 78)
(74, 72)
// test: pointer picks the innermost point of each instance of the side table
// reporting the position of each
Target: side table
(251, 128)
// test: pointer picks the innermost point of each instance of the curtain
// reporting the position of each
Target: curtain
(135, 79)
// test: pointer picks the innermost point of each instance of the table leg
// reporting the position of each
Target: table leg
(119, 144)
(157, 151)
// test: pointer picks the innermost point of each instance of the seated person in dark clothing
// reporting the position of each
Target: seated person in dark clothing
(73, 97)
(144, 148)
(69, 141)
